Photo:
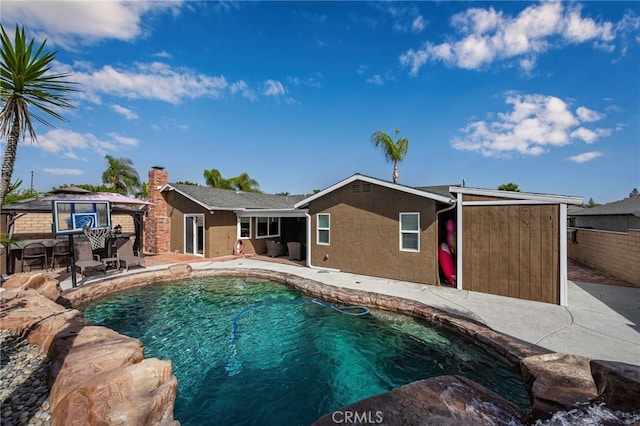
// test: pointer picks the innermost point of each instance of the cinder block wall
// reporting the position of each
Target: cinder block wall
(615, 253)
(38, 225)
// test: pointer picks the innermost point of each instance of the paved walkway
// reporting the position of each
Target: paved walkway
(600, 321)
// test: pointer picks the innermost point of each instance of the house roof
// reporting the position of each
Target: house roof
(515, 195)
(444, 190)
(628, 206)
(408, 189)
(226, 199)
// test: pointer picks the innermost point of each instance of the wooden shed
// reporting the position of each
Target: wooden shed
(513, 243)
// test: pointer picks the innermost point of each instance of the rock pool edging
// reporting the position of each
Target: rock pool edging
(547, 386)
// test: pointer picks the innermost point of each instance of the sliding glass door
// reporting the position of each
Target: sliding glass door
(194, 234)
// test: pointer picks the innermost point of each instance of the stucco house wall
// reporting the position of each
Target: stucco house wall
(365, 233)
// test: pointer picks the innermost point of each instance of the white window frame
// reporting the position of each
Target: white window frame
(258, 237)
(402, 232)
(240, 237)
(319, 228)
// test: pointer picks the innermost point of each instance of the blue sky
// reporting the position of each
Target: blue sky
(545, 95)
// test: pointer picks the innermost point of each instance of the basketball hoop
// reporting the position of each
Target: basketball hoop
(97, 236)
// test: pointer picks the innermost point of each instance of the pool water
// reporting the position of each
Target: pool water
(287, 362)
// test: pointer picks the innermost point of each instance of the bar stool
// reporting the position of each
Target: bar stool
(34, 251)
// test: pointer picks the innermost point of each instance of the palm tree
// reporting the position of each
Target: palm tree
(509, 187)
(244, 183)
(214, 179)
(393, 151)
(25, 82)
(121, 176)
(143, 194)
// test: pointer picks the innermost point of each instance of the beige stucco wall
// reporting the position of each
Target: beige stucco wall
(365, 234)
(616, 253)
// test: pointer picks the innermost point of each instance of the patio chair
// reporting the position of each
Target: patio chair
(275, 248)
(34, 252)
(127, 257)
(86, 260)
(61, 250)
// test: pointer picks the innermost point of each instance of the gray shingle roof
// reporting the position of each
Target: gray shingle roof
(628, 206)
(438, 189)
(225, 199)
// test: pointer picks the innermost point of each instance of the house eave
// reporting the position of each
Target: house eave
(528, 196)
(270, 212)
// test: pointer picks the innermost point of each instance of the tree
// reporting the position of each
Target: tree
(244, 183)
(121, 176)
(144, 191)
(14, 194)
(186, 182)
(634, 193)
(591, 203)
(393, 151)
(509, 187)
(214, 179)
(26, 83)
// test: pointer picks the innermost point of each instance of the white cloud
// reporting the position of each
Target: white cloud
(535, 124)
(151, 81)
(69, 23)
(587, 135)
(487, 35)
(243, 88)
(587, 114)
(578, 29)
(274, 88)
(587, 156)
(63, 172)
(123, 140)
(70, 144)
(126, 112)
(418, 25)
(163, 54)
(376, 79)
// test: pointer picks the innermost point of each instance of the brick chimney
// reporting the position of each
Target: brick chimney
(157, 226)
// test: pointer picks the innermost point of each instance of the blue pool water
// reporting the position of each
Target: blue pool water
(285, 362)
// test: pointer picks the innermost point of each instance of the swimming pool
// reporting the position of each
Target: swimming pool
(251, 351)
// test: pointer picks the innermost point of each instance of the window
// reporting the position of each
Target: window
(245, 227)
(323, 228)
(268, 227)
(410, 231)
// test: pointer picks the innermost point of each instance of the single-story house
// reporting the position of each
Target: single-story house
(210, 222)
(618, 216)
(508, 243)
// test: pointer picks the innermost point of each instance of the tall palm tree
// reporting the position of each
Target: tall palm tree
(393, 151)
(121, 176)
(244, 183)
(26, 83)
(214, 179)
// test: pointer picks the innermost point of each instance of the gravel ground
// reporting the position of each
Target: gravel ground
(24, 394)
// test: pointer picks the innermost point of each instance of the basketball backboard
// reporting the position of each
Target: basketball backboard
(72, 216)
